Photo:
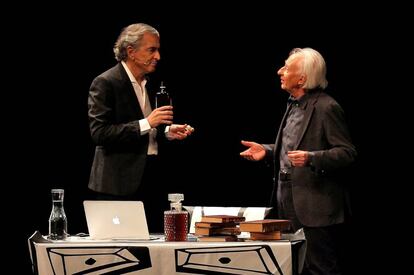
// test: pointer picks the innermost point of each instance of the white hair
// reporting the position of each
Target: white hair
(313, 66)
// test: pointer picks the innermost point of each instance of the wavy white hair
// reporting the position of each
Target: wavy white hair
(313, 66)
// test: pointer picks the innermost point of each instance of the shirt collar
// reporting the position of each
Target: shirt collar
(292, 100)
(131, 76)
(301, 102)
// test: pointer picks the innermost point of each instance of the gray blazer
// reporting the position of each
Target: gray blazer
(121, 150)
(319, 195)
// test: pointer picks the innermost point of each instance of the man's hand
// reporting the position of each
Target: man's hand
(255, 151)
(298, 158)
(161, 115)
(179, 131)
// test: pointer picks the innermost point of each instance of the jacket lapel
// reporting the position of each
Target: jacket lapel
(279, 132)
(309, 108)
(130, 92)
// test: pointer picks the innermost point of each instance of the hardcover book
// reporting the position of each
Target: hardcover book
(222, 238)
(265, 225)
(273, 235)
(217, 231)
(222, 218)
(215, 224)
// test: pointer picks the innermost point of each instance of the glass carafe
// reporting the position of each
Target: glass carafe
(58, 223)
(175, 220)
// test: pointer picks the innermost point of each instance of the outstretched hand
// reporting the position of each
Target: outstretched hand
(255, 152)
(179, 131)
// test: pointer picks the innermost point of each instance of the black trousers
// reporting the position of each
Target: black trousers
(324, 244)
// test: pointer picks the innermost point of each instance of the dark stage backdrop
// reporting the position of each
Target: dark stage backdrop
(220, 70)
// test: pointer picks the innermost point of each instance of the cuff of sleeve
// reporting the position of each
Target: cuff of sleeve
(145, 126)
(167, 133)
(167, 129)
(310, 159)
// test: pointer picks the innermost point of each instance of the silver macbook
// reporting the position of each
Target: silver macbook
(116, 220)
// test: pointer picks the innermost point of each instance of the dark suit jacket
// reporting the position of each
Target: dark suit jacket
(320, 197)
(121, 150)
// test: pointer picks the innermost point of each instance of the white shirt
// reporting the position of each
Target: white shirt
(142, 95)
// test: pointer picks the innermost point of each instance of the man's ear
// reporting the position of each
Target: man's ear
(130, 50)
(302, 80)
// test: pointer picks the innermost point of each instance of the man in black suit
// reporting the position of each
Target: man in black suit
(124, 126)
(312, 147)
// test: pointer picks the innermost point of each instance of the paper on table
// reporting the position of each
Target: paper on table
(254, 213)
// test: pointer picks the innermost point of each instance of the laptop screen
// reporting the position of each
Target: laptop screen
(116, 219)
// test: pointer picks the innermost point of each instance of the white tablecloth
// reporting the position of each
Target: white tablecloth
(83, 256)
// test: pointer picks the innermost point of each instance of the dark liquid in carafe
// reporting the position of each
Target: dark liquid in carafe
(175, 226)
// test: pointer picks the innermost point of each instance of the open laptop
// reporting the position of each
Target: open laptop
(116, 220)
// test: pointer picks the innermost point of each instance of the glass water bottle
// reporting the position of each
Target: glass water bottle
(58, 223)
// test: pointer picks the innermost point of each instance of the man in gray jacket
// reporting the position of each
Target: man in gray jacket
(312, 148)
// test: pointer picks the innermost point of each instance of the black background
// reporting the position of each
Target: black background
(219, 65)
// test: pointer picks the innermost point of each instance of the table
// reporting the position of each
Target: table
(78, 255)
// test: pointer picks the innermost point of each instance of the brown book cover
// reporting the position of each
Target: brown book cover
(222, 218)
(229, 238)
(217, 231)
(272, 235)
(265, 225)
(215, 224)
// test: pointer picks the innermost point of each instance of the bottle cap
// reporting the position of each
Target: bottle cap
(176, 197)
(162, 86)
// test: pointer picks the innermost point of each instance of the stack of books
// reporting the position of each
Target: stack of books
(269, 229)
(218, 228)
